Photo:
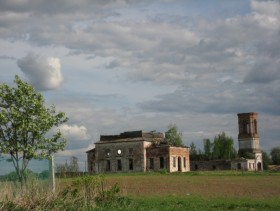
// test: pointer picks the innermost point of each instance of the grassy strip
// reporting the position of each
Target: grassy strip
(197, 203)
(157, 203)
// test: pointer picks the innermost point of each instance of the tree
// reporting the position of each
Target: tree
(193, 152)
(62, 168)
(223, 147)
(26, 126)
(266, 160)
(275, 155)
(73, 167)
(208, 148)
(173, 137)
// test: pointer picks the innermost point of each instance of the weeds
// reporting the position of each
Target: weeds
(84, 193)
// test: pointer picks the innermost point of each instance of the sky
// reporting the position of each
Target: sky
(123, 65)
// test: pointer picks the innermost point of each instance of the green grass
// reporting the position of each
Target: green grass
(197, 203)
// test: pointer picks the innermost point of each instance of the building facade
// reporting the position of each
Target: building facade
(249, 142)
(136, 151)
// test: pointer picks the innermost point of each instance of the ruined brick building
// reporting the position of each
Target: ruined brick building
(137, 151)
(250, 156)
(249, 143)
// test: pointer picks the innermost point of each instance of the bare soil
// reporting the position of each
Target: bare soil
(247, 186)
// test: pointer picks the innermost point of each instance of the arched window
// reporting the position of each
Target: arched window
(245, 126)
(256, 126)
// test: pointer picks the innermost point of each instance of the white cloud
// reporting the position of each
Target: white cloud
(74, 132)
(44, 73)
(76, 136)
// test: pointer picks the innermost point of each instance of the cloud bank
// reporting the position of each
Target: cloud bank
(44, 73)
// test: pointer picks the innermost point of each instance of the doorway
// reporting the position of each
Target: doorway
(259, 165)
(179, 164)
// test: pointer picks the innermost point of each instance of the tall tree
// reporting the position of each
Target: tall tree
(74, 166)
(26, 125)
(266, 160)
(223, 147)
(173, 137)
(208, 149)
(193, 152)
(275, 155)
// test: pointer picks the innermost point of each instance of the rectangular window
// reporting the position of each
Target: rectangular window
(130, 164)
(184, 162)
(108, 165)
(161, 162)
(130, 151)
(174, 161)
(119, 165)
(151, 163)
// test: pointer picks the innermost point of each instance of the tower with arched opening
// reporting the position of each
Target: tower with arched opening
(248, 138)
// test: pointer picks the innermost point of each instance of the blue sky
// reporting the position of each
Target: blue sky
(123, 65)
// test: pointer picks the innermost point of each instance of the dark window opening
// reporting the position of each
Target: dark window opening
(239, 166)
(119, 165)
(256, 126)
(185, 162)
(151, 166)
(245, 128)
(161, 162)
(214, 167)
(108, 165)
(130, 164)
(195, 166)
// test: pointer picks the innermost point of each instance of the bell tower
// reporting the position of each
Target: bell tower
(248, 137)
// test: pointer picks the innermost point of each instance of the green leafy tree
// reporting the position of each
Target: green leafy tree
(26, 125)
(223, 147)
(173, 137)
(266, 160)
(193, 152)
(208, 149)
(275, 155)
(247, 155)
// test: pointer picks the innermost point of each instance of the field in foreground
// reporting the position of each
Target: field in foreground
(202, 184)
(188, 191)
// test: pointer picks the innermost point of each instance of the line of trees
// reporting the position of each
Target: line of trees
(222, 147)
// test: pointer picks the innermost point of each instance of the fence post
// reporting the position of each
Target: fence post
(52, 175)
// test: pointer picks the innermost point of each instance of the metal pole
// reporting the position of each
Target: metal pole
(52, 175)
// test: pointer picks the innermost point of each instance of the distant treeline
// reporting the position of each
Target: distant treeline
(72, 174)
(12, 176)
(222, 148)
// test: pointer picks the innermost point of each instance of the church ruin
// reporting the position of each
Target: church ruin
(137, 151)
(250, 155)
